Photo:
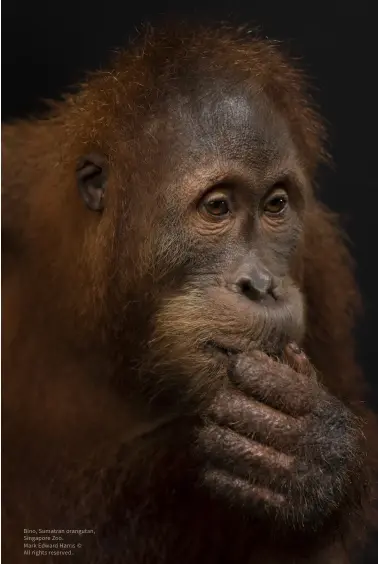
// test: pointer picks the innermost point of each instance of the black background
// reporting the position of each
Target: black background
(48, 45)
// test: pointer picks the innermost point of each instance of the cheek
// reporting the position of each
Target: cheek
(296, 265)
(280, 249)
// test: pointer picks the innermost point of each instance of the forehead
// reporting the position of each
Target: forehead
(226, 125)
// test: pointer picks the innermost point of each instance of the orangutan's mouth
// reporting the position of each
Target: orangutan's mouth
(222, 349)
(274, 350)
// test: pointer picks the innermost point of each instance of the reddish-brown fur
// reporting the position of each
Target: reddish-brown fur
(66, 429)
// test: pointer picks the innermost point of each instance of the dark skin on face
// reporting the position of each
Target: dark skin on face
(194, 389)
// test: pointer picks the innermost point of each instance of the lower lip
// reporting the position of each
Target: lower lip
(222, 350)
(216, 348)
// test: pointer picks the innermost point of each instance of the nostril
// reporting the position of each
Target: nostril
(256, 287)
(245, 285)
(247, 289)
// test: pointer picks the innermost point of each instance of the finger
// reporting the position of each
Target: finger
(255, 420)
(295, 357)
(243, 457)
(242, 491)
(274, 383)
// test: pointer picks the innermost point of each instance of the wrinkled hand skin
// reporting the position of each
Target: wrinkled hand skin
(278, 444)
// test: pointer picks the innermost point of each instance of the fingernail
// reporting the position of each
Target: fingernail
(295, 348)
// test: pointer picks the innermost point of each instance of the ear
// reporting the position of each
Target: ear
(91, 177)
